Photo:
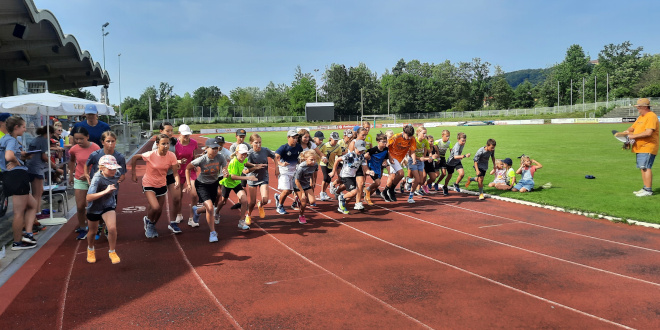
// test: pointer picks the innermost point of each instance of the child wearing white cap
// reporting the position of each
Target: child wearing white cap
(286, 158)
(185, 150)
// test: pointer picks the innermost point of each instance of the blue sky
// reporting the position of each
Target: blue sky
(250, 43)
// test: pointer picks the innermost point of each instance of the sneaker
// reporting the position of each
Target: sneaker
(410, 199)
(426, 189)
(114, 257)
(408, 186)
(22, 246)
(456, 187)
(277, 201)
(195, 215)
(99, 232)
(235, 206)
(367, 197)
(91, 256)
(644, 193)
(392, 194)
(295, 204)
(638, 191)
(481, 197)
(150, 229)
(280, 209)
(313, 204)
(302, 220)
(179, 218)
(324, 197)
(402, 187)
(242, 225)
(467, 184)
(248, 220)
(213, 237)
(383, 195)
(82, 234)
(28, 238)
(78, 229)
(419, 193)
(262, 213)
(436, 187)
(146, 224)
(342, 201)
(174, 228)
(193, 224)
(333, 189)
(217, 218)
(358, 206)
(342, 210)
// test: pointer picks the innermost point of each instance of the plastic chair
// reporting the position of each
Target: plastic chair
(58, 191)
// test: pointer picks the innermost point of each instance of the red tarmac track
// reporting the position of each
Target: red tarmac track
(444, 262)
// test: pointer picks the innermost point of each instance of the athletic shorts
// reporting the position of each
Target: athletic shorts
(80, 184)
(99, 216)
(450, 169)
(395, 167)
(429, 167)
(482, 172)
(35, 176)
(349, 183)
(359, 172)
(326, 171)
(295, 189)
(207, 191)
(226, 191)
(158, 191)
(16, 183)
(285, 181)
(376, 176)
(440, 163)
(645, 161)
(170, 180)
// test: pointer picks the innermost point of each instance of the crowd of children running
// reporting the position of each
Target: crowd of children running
(209, 175)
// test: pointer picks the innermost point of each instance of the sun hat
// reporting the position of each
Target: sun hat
(110, 162)
(242, 149)
(212, 143)
(360, 145)
(241, 132)
(185, 130)
(291, 132)
(643, 102)
(334, 136)
(319, 135)
(90, 109)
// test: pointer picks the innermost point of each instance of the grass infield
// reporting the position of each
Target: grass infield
(567, 152)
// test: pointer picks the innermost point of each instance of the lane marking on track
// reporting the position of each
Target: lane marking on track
(60, 319)
(328, 272)
(294, 279)
(199, 278)
(461, 270)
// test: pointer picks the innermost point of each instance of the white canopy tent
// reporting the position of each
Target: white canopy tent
(50, 105)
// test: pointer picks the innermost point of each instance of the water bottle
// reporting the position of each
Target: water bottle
(61, 143)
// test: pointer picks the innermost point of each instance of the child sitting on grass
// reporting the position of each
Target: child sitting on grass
(527, 171)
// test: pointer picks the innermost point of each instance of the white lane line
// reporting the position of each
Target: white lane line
(199, 278)
(294, 279)
(474, 274)
(60, 319)
(545, 227)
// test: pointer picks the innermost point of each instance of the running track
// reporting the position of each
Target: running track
(444, 262)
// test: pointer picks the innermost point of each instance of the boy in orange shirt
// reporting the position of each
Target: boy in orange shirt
(399, 145)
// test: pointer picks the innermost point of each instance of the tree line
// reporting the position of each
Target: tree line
(414, 87)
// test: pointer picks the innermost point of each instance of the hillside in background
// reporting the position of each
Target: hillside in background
(535, 76)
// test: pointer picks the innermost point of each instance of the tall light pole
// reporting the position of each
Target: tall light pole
(316, 89)
(167, 102)
(119, 60)
(103, 34)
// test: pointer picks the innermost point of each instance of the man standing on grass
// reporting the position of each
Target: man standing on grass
(645, 132)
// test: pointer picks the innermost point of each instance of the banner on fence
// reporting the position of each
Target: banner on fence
(586, 120)
(628, 119)
(562, 121)
(609, 120)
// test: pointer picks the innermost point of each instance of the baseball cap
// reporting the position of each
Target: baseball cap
(185, 130)
(109, 161)
(4, 116)
(292, 132)
(360, 145)
(319, 135)
(242, 149)
(241, 132)
(334, 136)
(212, 143)
(356, 128)
(508, 161)
(348, 132)
(90, 109)
(220, 140)
(521, 156)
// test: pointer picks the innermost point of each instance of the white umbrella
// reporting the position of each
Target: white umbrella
(50, 105)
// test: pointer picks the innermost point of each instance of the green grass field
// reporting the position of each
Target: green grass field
(568, 153)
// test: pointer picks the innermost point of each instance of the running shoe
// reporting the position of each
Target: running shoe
(195, 216)
(302, 220)
(445, 191)
(456, 187)
(392, 194)
(333, 189)
(29, 238)
(98, 233)
(82, 234)
(644, 193)
(313, 204)
(419, 193)
(296, 203)
(342, 209)
(174, 228)
(213, 237)
(277, 201)
(410, 199)
(262, 213)
(235, 206)
(22, 246)
(426, 189)
(217, 218)
(342, 201)
(248, 220)
(280, 209)
(114, 257)
(150, 229)
(402, 187)
(481, 197)
(78, 229)
(638, 191)
(91, 256)
(179, 218)
(436, 187)
(242, 225)
(429, 186)
(358, 206)
(467, 184)
(383, 195)
(367, 197)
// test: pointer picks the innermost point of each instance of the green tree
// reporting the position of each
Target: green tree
(337, 88)
(523, 96)
(502, 93)
(302, 91)
(184, 106)
(276, 99)
(624, 65)
(206, 96)
(574, 67)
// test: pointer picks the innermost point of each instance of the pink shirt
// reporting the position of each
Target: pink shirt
(186, 152)
(82, 154)
(157, 166)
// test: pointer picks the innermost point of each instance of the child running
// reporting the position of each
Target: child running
(185, 150)
(416, 162)
(109, 142)
(154, 181)
(331, 150)
(481, 165)
(259, 155)
(286, 158)
(306, 143)
(101, 204)
(77, 177)
(376, 156)
(210, 165)
(167, 129)
(454, 163)
(233, 183)
(443, 145)
(303, 176)
(352, 160)
(399, 146)
(526, 183)
(430, 165)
